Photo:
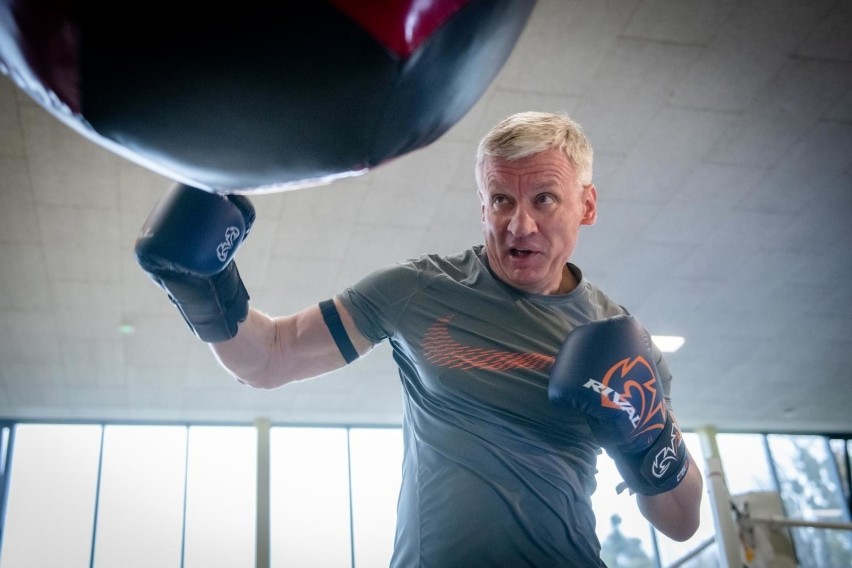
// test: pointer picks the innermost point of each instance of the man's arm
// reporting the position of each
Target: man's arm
(269, 352)
(676, 513)
(605, 369)
(187, 246)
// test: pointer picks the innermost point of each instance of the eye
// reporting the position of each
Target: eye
(499, 200)
(545, 199)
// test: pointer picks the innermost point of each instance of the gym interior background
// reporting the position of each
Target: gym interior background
(723, 136)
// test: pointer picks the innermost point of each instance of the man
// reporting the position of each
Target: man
(497, 470)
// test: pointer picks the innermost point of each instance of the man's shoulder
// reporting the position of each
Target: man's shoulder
(459, 265)
(419, 272)
(605, 305)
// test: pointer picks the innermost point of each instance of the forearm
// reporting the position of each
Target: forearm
(270, 352)
(675, 513)
(248, 355)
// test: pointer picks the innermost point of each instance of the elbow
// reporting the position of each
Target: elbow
(252, 377)
(255, 384)
(254, 373)
(676, 513)
(267, 385)
(259, 382)
(682, 531)
(682, 525)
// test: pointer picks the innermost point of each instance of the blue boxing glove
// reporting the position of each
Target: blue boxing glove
(605, 369)
(187, 246)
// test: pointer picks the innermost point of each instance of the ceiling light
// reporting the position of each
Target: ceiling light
(668, 343)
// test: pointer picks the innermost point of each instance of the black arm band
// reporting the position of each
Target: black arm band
(331, 317)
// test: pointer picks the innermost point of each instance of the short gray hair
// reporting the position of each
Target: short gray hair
(526, 133)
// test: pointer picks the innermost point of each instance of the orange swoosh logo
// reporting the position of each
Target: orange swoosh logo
(441, 349)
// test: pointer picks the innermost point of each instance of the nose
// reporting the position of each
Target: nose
(521, 224)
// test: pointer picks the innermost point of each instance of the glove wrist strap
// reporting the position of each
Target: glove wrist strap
(212, 307)
(658, 469)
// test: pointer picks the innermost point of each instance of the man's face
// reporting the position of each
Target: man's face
(532, 210)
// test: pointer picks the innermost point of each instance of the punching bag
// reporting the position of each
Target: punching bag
(258, 96)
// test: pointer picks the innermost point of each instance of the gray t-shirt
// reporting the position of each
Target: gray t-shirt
(493, 474)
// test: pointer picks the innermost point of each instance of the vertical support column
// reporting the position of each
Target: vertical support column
(848, 477)
(727, 535)
(262, 532)
(7, 444)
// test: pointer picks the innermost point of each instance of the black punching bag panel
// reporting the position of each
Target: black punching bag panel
(259, 96)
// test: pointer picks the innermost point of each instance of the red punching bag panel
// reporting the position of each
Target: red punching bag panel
(261, 96)
(40, 51)
(401, 26)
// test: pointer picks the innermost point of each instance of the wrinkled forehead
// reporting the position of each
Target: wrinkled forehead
(551, 167)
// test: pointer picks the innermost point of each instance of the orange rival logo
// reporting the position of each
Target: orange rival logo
(638, 396)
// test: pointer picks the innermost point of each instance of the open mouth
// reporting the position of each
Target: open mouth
(520, 253)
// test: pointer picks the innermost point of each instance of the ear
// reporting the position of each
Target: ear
(590, 202)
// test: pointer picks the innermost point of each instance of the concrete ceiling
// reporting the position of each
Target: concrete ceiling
(723, 136)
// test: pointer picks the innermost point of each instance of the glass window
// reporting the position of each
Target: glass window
(51, 502)
(624, 534)
(745, 463)
(170, 496)
(221, 497)
(376, 462)
(140, 510)
(810, 490)
(309, 498)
